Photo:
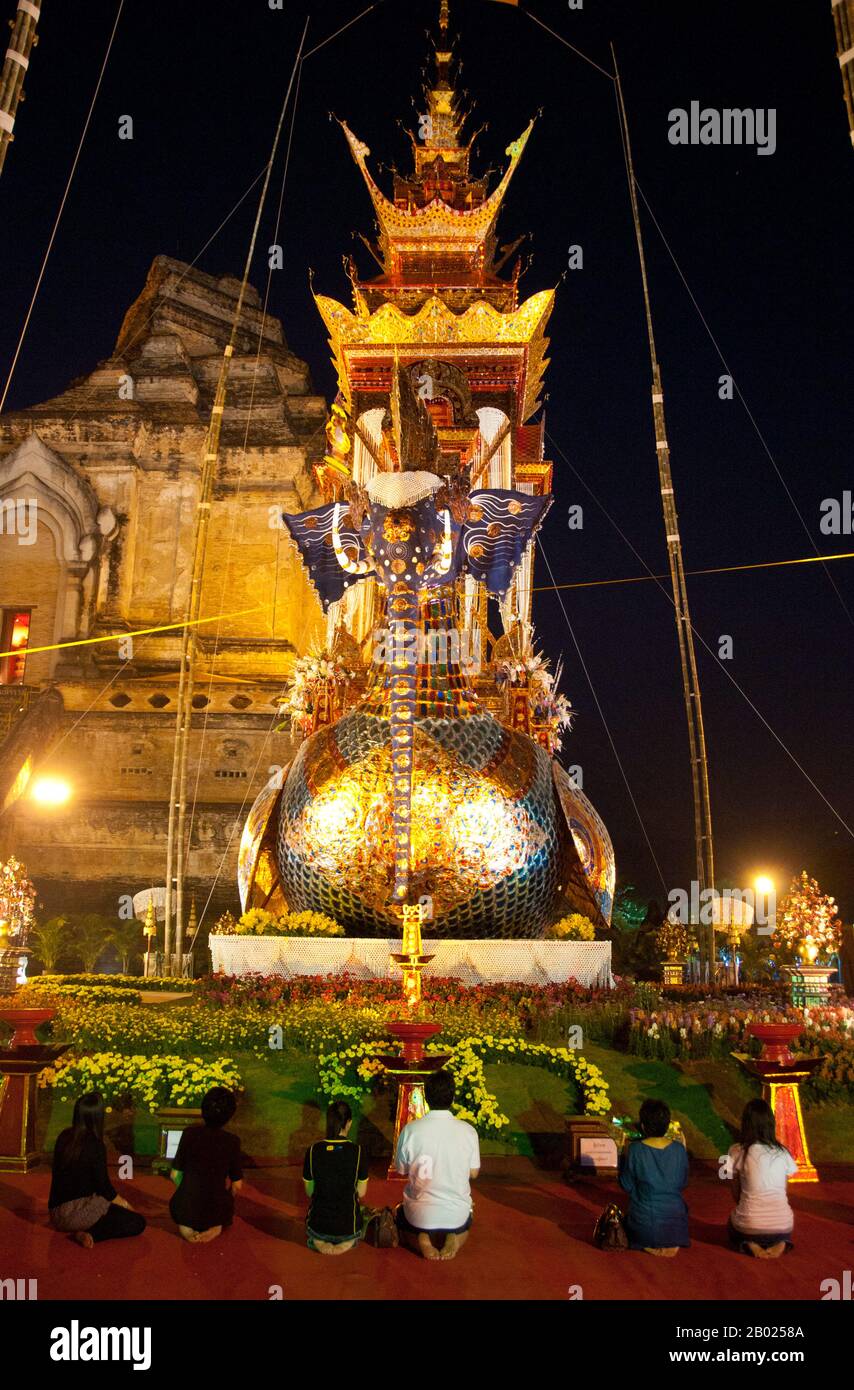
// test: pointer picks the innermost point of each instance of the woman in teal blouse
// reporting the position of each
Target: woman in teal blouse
(654, 1172)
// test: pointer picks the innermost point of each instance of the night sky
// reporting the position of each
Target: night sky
(764, 243)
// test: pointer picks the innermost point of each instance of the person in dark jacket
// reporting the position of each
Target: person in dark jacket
(654, 1171)
(82, 1199)
(207, 1171)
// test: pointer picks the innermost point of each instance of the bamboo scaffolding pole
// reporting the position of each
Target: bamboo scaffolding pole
(703, 841)
(15, 66)
(177, 849)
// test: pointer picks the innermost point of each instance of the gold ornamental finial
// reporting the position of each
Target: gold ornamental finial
(411, 957)
(193, 922)
(443, 16)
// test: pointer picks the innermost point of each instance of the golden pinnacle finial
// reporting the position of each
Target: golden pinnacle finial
(193, 921)
(411, 957)
(443, 16)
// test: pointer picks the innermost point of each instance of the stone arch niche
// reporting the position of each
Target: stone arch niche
(52, 573)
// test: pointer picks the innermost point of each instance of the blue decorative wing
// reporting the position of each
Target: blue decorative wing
(499, 526)
(312, 532)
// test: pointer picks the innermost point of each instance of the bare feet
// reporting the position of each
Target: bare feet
(187, 1233)
(666, 1252)
(773, 1252)
(427, 1248)
(210, 1234)
(453, 1245)
(325, 1247)
(83, 1239)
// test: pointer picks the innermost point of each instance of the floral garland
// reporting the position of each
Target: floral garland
(310, 672)
(355, 1069)
(17, 901)
(147, 1081)
(552, 713)
(524, 669)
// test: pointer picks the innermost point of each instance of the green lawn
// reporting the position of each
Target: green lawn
(279, 1115)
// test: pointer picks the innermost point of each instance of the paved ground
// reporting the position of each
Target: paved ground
(531, 1240)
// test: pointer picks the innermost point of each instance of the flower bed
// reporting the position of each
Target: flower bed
(44, 989)
(154, 983)
(831, 1036)
(714, 1029)
(331, 1015)
(534, 1001)
(710, 1029)
(313, 1025)
(147, 1082)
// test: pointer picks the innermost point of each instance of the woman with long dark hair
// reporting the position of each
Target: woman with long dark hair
(335, 1173)
(760, 1166)
(82, 1199)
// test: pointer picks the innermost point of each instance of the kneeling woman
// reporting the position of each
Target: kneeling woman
(335, 1173)
(653, 1171)
(207, 1170)
(762, 1222)
(82, 1199)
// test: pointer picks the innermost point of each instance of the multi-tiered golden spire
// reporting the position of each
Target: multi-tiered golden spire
(439, 226)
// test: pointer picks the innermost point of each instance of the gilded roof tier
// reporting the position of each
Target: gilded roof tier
(414, 228)
(479, 329)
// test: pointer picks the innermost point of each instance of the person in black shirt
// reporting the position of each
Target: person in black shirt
(335, 1173)
(207, 1171)
(82, 1199)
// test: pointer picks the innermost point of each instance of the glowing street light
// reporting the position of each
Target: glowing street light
(764, 885)
(51, 791)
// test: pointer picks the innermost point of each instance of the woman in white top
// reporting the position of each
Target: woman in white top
(760, 1166)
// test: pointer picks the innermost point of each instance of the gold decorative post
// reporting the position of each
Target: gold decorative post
(412, 1065)
(149, 930)
(410, 957)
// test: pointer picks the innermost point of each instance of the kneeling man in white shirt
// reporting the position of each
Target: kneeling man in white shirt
(439, 1155)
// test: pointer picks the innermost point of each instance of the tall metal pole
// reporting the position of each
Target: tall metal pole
(703, 842)
(177, 850)
(15, 65)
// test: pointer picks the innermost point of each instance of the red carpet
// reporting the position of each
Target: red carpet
(530, 1240)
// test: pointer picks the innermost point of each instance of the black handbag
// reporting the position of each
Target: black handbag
(609, 1233)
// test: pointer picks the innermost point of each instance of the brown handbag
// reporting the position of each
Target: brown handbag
(609, 1233)
(381, 1229)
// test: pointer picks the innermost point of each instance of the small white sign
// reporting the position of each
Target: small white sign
(173, 1139)
(597, 1152)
